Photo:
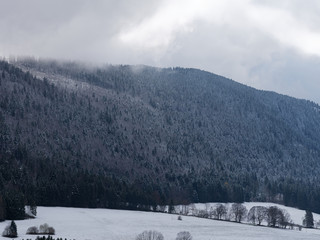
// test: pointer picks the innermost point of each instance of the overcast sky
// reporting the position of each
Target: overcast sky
(267, 44)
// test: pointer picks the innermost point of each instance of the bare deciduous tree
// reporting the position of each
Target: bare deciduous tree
(46, 229)
(277, 217)
(272, 216)
(202, 214)
(238, 211)
(219, 211)
(193, 209)
(285, 218)
(184, 236)
(150, 235)
(184, 210)
(207, 206)
(257, 214)
(32, 230)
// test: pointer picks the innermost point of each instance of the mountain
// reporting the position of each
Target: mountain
(74, 134)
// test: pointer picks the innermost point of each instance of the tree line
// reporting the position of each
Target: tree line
(273, 216)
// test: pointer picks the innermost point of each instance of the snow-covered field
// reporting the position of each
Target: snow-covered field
(106, 224)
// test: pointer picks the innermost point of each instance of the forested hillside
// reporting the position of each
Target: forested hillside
(117, 136)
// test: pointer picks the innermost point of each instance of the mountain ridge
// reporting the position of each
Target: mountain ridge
(176, 134)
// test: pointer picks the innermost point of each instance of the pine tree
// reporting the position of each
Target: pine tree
(15, 205)
(309, 222)
(10, 230)
(171, 207)
(2, 209)
(13, 229)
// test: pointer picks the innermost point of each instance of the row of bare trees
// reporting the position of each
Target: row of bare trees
(273, 215)
(155, 235)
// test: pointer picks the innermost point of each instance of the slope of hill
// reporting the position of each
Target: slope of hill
(99, 224)
(79, 135)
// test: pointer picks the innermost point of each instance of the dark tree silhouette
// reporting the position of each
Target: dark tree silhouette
(308, 219)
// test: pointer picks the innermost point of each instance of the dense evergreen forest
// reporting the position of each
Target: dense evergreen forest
(132, 137)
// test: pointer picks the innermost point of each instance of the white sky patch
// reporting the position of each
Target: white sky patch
(174, 17)
(284, 27)
(159, 30)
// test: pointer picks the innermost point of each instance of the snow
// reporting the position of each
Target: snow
(102, 224)
(28, 212)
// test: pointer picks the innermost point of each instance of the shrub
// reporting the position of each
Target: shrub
(51, 231)
(150, 235)
(43, 229)
(48, 238)
(10, 230)
(184, 236)
(32, 230)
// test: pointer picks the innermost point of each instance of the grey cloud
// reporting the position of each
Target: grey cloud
(307, 12)
(89, 31)
(290, 73)
(66, 29)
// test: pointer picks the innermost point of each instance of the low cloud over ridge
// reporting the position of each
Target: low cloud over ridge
(269, 45)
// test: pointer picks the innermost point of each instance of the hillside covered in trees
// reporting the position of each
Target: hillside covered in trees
(72, 134)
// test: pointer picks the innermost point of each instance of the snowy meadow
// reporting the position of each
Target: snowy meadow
(101, 224)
